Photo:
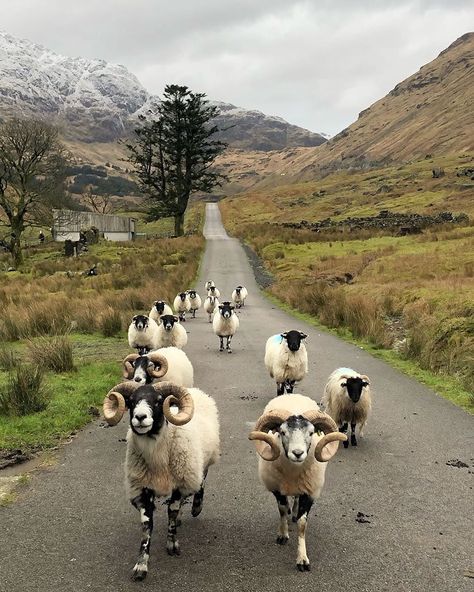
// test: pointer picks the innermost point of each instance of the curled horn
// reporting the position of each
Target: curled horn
(114, 403)
(261, 437)
(160, 361)
(127, 365)
(179, 396)
(327, 446)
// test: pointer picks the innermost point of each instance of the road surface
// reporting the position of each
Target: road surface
(72, 528)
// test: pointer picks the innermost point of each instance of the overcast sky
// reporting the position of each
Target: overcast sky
(316, 63)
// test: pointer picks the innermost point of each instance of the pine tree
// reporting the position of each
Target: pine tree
(174, 153)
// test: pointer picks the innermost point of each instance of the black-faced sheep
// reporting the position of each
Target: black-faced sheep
(182, 305)
(159, 309)
(347, 399)
(210, 305)
(195, 301)
(239, 295)
(293, 459)
(171, 332)
(286, 359)
(213, 291)
(168, 364)
(168, 454)
(143, 334)
(225, 323)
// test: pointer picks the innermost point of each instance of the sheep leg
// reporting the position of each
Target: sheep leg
(284, 509)
(353, 435)
(280, 388)
(294, 511)
(210, 317)
(305, 503)
(343, 429)
(198, 498)
(222, 343)
(145, 505)
(194, 313)
(228, 348)
(174, 506)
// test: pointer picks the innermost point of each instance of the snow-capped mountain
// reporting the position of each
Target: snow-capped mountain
(93, 100)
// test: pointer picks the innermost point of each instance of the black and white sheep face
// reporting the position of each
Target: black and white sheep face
(192, 294)
(140, 322)
(294, 339)
(296, 434)
(354, 386)
(160, 306)
(168, 322)
(140, 370)
(146, 411)
(226, 309)
(212, 291)
(182, 296)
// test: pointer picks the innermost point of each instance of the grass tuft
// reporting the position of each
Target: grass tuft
(24, 392)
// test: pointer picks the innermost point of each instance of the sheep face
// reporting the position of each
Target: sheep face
(354, 386)
(192, 294)
(146, 411)
(296, 434)
(212, 291)
(140, 370)
(238, 290)
(168, 322)
(182, 296)
(294, 339)
(226, 309)
(160, 306)
(140, 322)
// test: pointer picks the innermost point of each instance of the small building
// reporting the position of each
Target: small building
(67, 224)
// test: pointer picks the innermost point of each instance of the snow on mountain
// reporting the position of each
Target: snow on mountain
(93, 100)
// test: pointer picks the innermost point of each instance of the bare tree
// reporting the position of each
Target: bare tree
(32, 173)
(102, 204)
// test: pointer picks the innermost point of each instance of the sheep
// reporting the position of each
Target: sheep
(159, 308)
(208, 284)
(168, 454)
(225, 323)
(239, 295)
(213, 291)
(143, 334)
(286, 359)
(166, 364)
(293, 459)
(210, 305)
(195, 301)
(171, 333)
(347, 399)
(182, 305)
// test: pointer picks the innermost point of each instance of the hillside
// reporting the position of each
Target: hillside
(428, 113)
(97, 102)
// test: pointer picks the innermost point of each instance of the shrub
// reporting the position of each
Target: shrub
(7, 359)
(24, 392)
(53, 353)
(110, 322)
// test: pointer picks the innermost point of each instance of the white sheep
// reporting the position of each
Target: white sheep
(143, 334)
(168, 454)
(239, 295)
(208, 285)
(225, 323)
(293, 454)
(171, 332)
(213, 291)
(210, 305)
(347, 399)
(286, 359)
(195, 301)
(166, 364)
(159, 309)
(182, 305)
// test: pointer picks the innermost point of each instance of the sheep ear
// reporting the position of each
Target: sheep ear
(284, 335)
(343, 384)
(135, 318)
(303, 335)
(176, 319)
(365, 379)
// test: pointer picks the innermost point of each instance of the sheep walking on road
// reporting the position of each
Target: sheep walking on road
(182, 305)
(210, 305)
(347, 399)
(239, 295)
(293, 453)
(286, 359)
(225, 323)
(159, 309)
(143, 334)
(166, 364)
(168, 454)
(171, 332)
(195, 301)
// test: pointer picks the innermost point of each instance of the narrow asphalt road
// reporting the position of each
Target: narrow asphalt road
(72, 529)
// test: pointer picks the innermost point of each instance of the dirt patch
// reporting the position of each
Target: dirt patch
(9, 458)
(363, 518)
(262, 275)
(455, 462)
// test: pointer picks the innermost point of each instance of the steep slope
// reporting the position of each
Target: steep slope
(95, 101)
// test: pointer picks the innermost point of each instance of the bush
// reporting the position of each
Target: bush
(24, 392)
(8, 360)
(53, 353)
(110, 323)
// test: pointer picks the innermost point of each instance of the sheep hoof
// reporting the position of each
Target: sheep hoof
(173, 548)
(346, 444)
(303, 566)
(353, 441)
(221, 349)
(229, 351)
(139, 573)
(282, 540)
